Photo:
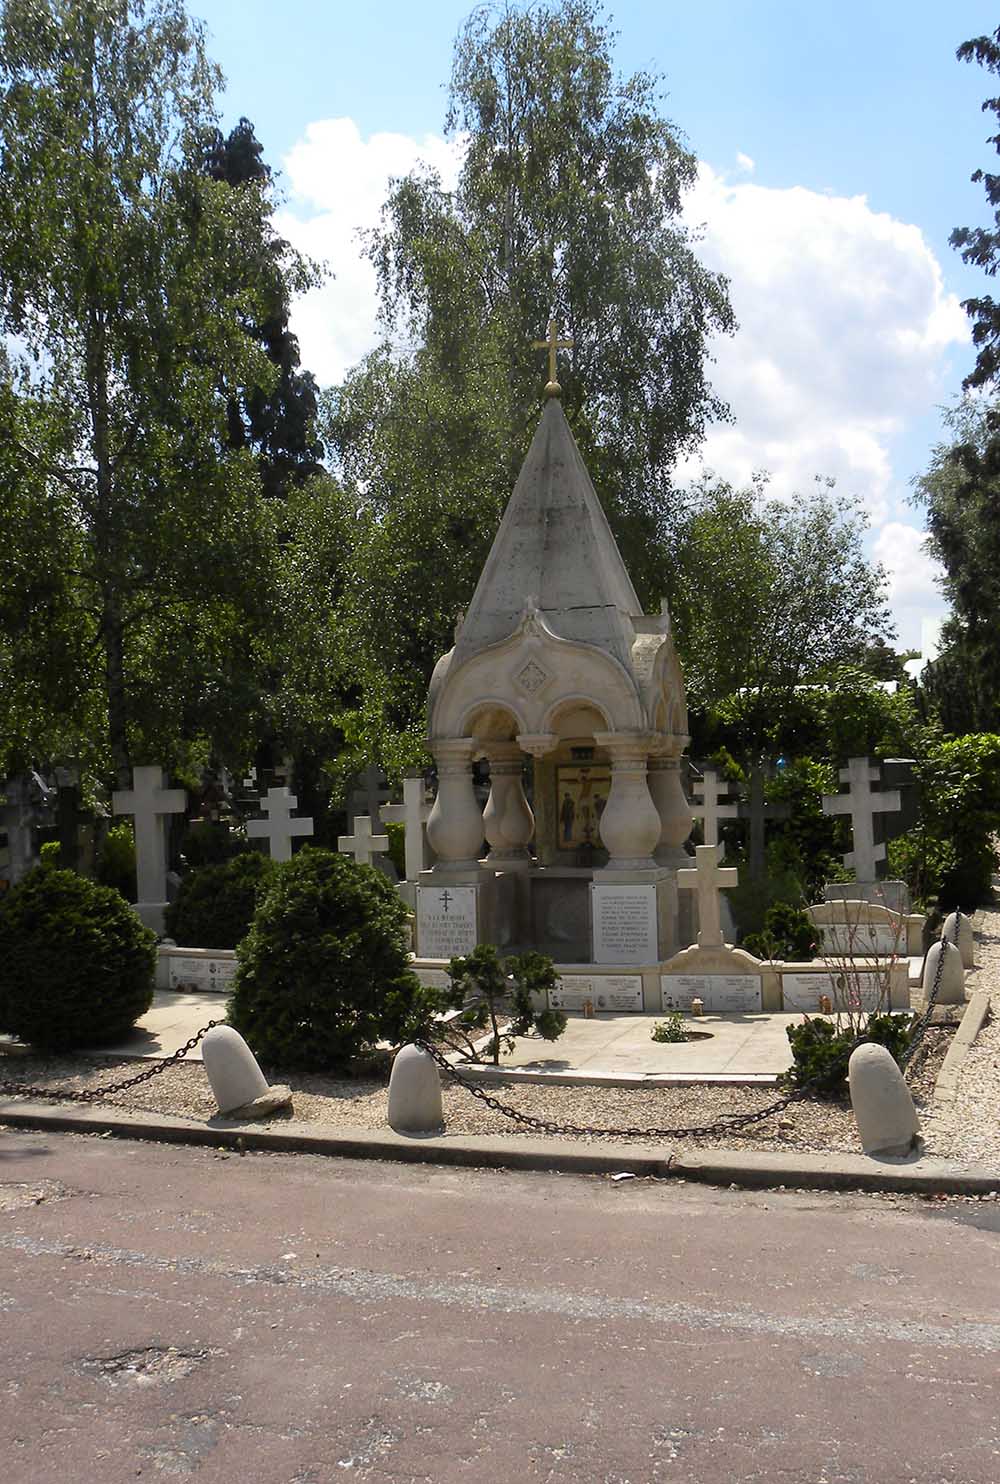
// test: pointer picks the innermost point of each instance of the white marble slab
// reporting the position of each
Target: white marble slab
(624, 919)
(446, 921)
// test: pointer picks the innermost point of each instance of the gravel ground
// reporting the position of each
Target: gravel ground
(361, 1102)
(969, 1127)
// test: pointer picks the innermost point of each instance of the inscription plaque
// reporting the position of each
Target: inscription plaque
(619, 994)
(721, 994)
(208, 975)
(861, 940)
(624, 924)
(845, 991)
(446, 921)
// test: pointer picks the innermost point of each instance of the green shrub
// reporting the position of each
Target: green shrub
(788, 933)
(486, 989)
(116, 860)
(670, 1029)
(76, 964)
(821, 1050)
(396, 835)
(323, 973)
(209, 842)
(215, 904)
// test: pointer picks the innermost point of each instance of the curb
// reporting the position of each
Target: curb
(750, 1170)
(973, 1020)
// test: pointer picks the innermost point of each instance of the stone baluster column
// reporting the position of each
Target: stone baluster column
(667, 792)
(507, 818)
(630, 824)
(455, 825)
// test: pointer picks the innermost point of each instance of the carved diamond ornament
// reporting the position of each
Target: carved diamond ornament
(531, 677)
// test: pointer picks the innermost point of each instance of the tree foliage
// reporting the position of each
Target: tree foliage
(980, 246)
(567, 207)
(768, 595)
(131, 278)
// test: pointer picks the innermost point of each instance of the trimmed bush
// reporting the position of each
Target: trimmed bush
(215, 904)
(788, 934)
(821, 1050)
(323, 973)
(76, 963)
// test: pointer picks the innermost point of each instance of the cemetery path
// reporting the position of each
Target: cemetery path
(171, 1311)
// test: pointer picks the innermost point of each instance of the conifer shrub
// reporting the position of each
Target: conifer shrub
(215, 904)
(821, 1050)
(76, 963)
(323, 973)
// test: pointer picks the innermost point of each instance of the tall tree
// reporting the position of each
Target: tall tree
(129, 275)
(278, 423)
(567, 206)
(980, 246)
(768, 595)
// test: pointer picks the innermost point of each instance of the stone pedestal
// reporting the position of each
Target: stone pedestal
(630, 825)
(455, 826)
(508, 822)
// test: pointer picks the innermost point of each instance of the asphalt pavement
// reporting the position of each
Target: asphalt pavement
(190, 1312)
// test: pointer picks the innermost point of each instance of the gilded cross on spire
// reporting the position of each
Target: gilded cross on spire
(552, 344)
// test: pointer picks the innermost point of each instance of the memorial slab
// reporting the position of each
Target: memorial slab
(446, 921)
(624, 919)
(620, 994)
(720, 994)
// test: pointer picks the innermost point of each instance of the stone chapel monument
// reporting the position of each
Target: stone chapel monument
(556, 667)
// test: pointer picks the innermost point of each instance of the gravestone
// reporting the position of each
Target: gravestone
(712, 803)
(17, 820)
(624, 923)
(413, 814)
(708, 878)
(759, 811)
(446, 921)
(149, 802)
(362, 844)
(862, 804)
(279, 828)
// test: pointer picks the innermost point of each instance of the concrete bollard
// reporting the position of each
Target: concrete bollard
(415, 1093)
(958, 930)
(238, 1084)
(883, 1107)
(952, 988)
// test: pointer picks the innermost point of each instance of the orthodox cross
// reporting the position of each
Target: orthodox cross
(413, 814)
(862, 805)
(759, 811)
(710, 791)
(552, 388)
(149, 801)
(279, 826)
(362, 844)
(707, 879)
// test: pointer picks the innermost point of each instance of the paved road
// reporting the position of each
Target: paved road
(291, 1320)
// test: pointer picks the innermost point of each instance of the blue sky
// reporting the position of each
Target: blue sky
(837, 141)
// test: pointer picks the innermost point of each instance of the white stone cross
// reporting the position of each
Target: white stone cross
(711, 790)
(362, 844)
(707, 878)
(413, 814)
(279, 827)
(149, 801)
(862, 805)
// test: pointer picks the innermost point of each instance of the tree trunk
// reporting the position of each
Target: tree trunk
(113, 640)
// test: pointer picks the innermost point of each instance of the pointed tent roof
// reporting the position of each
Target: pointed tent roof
(554, 550)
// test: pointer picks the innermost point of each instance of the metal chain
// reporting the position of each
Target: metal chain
(96, 1094)
(724, 1124)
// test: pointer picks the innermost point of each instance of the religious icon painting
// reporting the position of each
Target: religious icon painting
(582, 792)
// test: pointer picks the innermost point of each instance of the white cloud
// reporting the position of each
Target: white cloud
(338, 182)
(913, 574)
(844, 330)
(745, 162)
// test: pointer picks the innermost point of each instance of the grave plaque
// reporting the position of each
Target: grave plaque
(721, 994)
(206, 975)
(446, 921)
(845, 991)
(624, 924)
(610, 994)
(861, 939)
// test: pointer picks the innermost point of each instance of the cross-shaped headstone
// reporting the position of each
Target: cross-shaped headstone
(707, 879)
(709, 791)
(759, 811)
(413, 814)
(279, 828)
(362, 844)
(149, 801)
(862, 805)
